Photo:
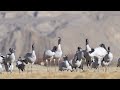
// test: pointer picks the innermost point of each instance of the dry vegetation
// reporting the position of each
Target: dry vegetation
(40, 72)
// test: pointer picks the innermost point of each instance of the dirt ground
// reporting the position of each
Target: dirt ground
(40, 72)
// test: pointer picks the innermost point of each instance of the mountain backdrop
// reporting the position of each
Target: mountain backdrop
(19, 29)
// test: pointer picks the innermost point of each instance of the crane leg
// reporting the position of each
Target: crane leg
(47, 65)
(50, 65)
(55, 64)
(19, 71)
(31, 67)
(58, 63)
(105, 68)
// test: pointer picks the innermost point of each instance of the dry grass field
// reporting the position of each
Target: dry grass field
(40, 72)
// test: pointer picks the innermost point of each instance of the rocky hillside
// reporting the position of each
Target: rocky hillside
(19, 29)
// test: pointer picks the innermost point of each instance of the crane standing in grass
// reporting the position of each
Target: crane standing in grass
(65, 65)
(77, 61)
(53, 55)
(98, 52)
(9, 60)
(58, 53)
(107, 59)
(30, 57)
(1, 62)
(20, 64)
(86, 54)
(48, 56)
